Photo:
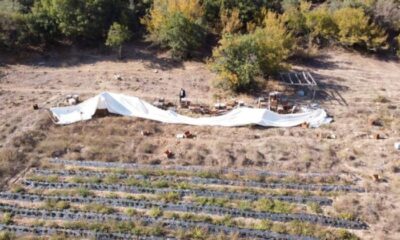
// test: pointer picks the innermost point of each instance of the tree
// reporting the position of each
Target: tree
(249, 10)
(231, 22)
(355, 29)
(236, 62)
(294, 15)
(176, 24)
(321, 25)
(241, 60)
(82, 20)
(14, 31)
(26, 5)
(276, 43)
(117, 36)
(181, 35)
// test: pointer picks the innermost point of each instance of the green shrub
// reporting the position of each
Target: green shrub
(264, 225)
(43, 28)
(241, 60)
(273, 206)
(198, 233)
(56, 205)
(321, 24)
(181, 35)
(7, 218)
(170, 197)
(155, 212)
(355, 28)
(315, 207)
(117, 36)
(87, 20)
(294, 15)
(111, 179)
(236, 62)
(14, 31)
(348, 216)
(131, 212)
(99, 208)
(176, 24)
(160, 184)
(7, 236)
(83, 192)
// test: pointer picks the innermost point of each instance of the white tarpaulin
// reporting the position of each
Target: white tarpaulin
(135, 107)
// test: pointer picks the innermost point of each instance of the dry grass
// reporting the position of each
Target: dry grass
(300, 150)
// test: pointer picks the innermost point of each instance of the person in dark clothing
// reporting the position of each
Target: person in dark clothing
(182, 94)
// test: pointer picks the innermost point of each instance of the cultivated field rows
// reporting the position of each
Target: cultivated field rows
(82, 199)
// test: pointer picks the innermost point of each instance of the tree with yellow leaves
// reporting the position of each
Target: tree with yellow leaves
(176, 24)
(242, 60)
(355, 28)
(321, 24)
(231, 22)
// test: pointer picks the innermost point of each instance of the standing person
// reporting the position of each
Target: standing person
(182, 94)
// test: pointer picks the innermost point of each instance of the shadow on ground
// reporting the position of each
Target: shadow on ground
(70, 56)
(329, 89)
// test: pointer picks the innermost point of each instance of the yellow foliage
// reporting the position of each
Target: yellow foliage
(251, 27)
(320, 23)
(275, 32)
(191, 9)
(241, 61)
(305, 6)
(258, 21)
(355, 28)
(231, 22)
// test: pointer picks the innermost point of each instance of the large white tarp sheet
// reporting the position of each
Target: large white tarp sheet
(135, 107)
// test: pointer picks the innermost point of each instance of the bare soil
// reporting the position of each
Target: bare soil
(355, 90)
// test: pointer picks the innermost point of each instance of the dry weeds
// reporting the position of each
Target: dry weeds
(353, 96)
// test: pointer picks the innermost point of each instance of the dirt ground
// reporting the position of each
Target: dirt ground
(355, 90)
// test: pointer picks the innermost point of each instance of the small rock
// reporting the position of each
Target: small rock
(71, 101)
(169, 154)
(332, 136)
(155, 71)
(58, 153)
(117, 77)
(376, 122)
(397, 146)
(145, 133)
(378, 136)
(376, 177)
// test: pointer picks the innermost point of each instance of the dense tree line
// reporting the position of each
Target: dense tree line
(255, 37)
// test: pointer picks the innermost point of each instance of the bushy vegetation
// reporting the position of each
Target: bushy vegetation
(354, 28)
(7, 236)
(241, 59)
(253, 44)
(41, 22)
(176, 24)
(117, 36)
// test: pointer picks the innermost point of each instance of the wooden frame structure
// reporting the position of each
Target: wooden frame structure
(300, 79)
